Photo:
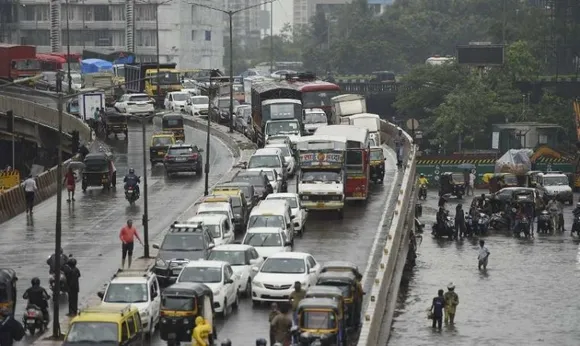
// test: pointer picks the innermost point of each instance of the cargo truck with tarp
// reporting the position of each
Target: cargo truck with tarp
(274, 101)
(142, 78)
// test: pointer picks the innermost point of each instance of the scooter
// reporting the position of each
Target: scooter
(482, 224)
(423, 192)
(33, 320)
(544, 223)
(448, 228)
(131, 195)
(522, 227)
(499, 221)
(63, 286)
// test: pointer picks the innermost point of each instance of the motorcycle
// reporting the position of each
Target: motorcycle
(499, 221)
(482, 224)
(63, 286)
(131, 194)
(523, 226)
(576, 225)
(471, 226)
(423, 191)
(33, 320)
(544, 223)
(448, 229)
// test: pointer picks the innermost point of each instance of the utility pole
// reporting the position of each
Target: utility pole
(68, 48)
(271, 37)
(145, 220)
(157, 45)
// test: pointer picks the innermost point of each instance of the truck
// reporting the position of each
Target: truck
(142, 78)
(18, 62)
(345, 105)
(88, 103)
(369, 121)
(105, 81)
(283, 121)
(321, 181)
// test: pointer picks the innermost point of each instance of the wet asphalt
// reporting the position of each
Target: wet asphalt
(527, 296)
(91, 224)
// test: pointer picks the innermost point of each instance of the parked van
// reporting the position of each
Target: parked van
(273, 213)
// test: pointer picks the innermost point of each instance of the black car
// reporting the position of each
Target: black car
(221, 111)
(183, 158)
(259, 180)
(183, 243)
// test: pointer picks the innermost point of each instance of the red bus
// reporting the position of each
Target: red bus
(59, 61)
(315, 93)
(358, 144)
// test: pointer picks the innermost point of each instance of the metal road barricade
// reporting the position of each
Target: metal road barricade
(9, 179)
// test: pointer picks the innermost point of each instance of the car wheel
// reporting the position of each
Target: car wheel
(225, 311)
(248, 292)
(237, 301)
(302, 230)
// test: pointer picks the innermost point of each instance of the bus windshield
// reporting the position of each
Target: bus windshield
(313, 99)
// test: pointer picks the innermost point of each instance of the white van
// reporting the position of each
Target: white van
(273, 213)
(270, 158)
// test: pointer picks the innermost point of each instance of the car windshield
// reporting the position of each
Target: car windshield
(177, 303)
(93, 333)
(225, 103)
(255, 180)
(268, 161)
(284, 266)
(183, 242)
(270, 175)
(200, 100)
(214, 230)
(180, 97)
(277, 127)
(181, 151)
(291, 200)
(263, 239)
(376, 155)
(553, 181)
(140, 98)
(315, 118)
(201, 274)
(324, 177)
(126, 293)
(314, 99)
(318, 320)
(214, 212)
(266, 221)
(161, 141)
(234, 258)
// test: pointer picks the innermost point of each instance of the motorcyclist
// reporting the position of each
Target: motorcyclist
(576, 213)
(555, 207)
(460, 226)
(10, 329)
(132, 180)
(423, 180)
(37, 295)
(441, 218)
(63, 260)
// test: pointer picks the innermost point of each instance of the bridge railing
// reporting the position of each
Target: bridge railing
(397, 236)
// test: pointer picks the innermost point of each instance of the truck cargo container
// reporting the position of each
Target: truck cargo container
(18, 62)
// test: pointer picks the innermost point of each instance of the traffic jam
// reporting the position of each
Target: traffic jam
(240, 242)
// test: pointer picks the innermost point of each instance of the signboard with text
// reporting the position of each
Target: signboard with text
(321, 159)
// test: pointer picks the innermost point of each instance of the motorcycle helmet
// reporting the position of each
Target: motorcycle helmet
(422, 175)
(131, 170)
(35, 282)
(72, 262)
(261, 342)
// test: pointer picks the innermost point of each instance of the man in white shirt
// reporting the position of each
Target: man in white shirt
(483, 255)
(29, 189)
(472, 182)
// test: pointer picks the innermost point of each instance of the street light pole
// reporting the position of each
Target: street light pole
(68, 48)
(210, 97)
(145, 205)
(271, 37)
(158, 66)
(231, 16)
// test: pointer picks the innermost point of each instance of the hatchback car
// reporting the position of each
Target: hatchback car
(135, 104)
(197, 106)
(183, 158)
(242, 258)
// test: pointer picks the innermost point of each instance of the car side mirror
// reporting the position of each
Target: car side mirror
(229, 281)
(255, 269)
(101, 294)
(154, 295)
(287, 243)
(312, 270)
(211, 246)
(156, 246)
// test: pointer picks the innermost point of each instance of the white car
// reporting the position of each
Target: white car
(219, 277)
(299, 214)
(267, 240)
(220, 228)
(135, 104)
(275, 279)
(138, 289)
(242, 258)
(313, 119)
(273, 177)
(197, 106)
(269, 158)
(288, 156)
(282, 73)
(175, 100)
(190, 87)
(213, 208)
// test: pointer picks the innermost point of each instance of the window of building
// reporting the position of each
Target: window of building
(146, 38)
(118, 12)
(36, 37)
(193, 35)
(145, 12)
(208, 35)
(102, 13)
(103, 39)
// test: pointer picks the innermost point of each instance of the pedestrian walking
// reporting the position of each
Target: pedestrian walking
(460, 227)
(281, 325)
(437, 309)
(30, 189)
(295, 297)
(451, 302)
(72, 279)
(483, 255)
(472, 182)
(10, 329)
(127, 235)
(273, 313)
(70, 183)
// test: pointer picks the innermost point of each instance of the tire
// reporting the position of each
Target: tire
(236, 304)
(302, 230)
(225, 312)
(31, 330)
(248, 292)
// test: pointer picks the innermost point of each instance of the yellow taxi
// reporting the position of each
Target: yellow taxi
(160, 143)
(239, 205)
(103, 325)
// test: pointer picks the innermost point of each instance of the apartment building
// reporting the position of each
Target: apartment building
(246, 23)
(305, 9)
(189, 35)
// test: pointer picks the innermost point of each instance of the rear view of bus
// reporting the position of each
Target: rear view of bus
(357, 158)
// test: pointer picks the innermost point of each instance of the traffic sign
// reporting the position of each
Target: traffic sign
(412, 124)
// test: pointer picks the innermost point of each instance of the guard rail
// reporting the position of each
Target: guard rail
(388, 269)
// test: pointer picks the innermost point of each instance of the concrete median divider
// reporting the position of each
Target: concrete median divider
(378, 309)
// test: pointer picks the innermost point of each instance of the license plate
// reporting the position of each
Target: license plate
(30, 320)
(130, 191)
(181, 159)
(357, 194)
(176, 271)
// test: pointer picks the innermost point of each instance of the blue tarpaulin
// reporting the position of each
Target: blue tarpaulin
(95, 65)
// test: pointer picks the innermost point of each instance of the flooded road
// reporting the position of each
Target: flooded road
(527, 296)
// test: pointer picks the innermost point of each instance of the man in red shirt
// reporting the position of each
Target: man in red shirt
(127, 235)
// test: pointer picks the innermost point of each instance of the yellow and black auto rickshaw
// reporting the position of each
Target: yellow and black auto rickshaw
(452, 184)
(99, 170)
(347, 283)
(160, 142)
(330, 292)
(116, 123)
(377, 165)
(500, 180)
(181, 303)
(8, 296)
(320, 318)
(341, 266)
(173, 123)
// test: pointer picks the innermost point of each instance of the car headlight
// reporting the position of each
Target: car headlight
(160, 263)
(217, 291)
(257, 284)
(144, 313)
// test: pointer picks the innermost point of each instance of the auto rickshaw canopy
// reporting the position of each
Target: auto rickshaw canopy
(341, 266)
(186, 290)
(162, 139)
(8, 280)
(97, 162)
(330, 292)
(313, 314)
(172, 121)
(346, 281)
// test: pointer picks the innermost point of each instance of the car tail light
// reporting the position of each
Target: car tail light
(194, 156)
(130, 188)
(31, 313)
(168, 157)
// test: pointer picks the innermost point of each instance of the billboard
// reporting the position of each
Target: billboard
(321, 159)
(481, 55)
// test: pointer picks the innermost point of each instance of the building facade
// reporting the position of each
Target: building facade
(305, 9)
(189, 35)
(246, 23)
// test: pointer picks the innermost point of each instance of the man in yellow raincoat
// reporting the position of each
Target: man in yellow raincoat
(201, 332)
(451, 302)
